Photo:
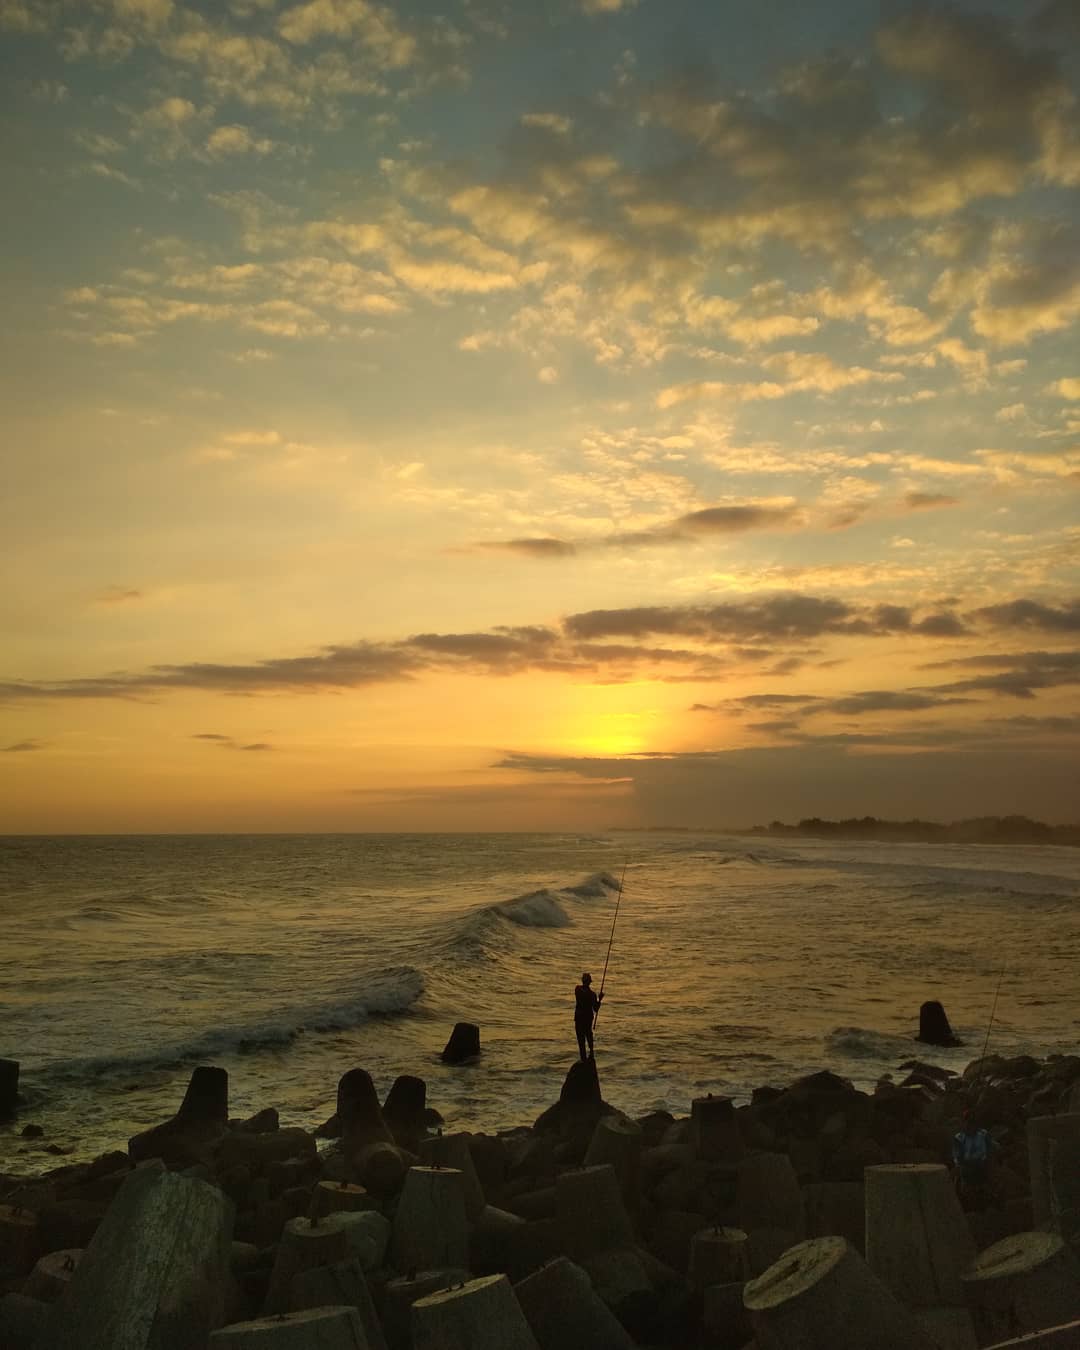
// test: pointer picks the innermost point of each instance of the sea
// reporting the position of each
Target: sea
(735, 961)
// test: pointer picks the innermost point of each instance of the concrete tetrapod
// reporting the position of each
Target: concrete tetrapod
(339, 1197)
(714, 1130)
(1025, 1282)
(21, 1321)
(304, 1243)
(725, 1319)
(339, 1285)
(768, 1195)
(125, 1295)
(1066, 1337)
(368, 1236)
(1054, 1159)
(718, 1256)
(482, 1314)
(20, 1240)
(312, 1329)
(359, 1114)
(917, 1237)
(822, 1295)
(430, 1226)
(565, 1312)
(401, 1293)
(52, 1274)
(617, 1140)
(452, 1150)
(590, 1212)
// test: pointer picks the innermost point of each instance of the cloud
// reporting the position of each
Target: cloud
(1028, 614)
(119, 595)
(228, 742)
(234, 139)
(922, 501)
(22, 747)
(533, 548)
(1067, 388)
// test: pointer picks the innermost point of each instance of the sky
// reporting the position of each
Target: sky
(563, 415)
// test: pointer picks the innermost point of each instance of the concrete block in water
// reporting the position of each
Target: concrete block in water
(917, 1237)
(452, 1150)
(401, 1293)
(590, 1211)
(718, 1256)
(430, 1225)
(822, 1295)
(482, 1314)
(155, 1274)
(714, 1130)
(304, 1243)
(768, 1194)
(312, 1329)
(565, 1312)
(1054, 1160)
(464, 1043)
(934, 1028)
(1023, 1283)
(339, 1285)
(9, 1087)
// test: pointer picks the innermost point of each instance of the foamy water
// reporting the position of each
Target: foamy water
(289, 959)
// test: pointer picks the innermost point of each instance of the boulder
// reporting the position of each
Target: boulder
(464, 1043)
(403, 1111)
(9, 1087)
(934, 1028)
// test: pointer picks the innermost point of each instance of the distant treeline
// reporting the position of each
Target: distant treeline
(979, 830)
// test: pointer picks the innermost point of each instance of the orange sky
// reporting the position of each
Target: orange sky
(440, 418)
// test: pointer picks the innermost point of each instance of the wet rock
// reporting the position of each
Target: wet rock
(464, 1043)
(262, 1122)
(9, 1086)
(934, 1028)
(32, 1132)
(403, 1111)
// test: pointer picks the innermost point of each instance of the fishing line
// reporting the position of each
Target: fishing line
(611, 939)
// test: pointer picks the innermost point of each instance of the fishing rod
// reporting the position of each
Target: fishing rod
(986, 1042)
(611, 939)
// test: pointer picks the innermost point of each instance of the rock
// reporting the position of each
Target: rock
(20, 1240)
(565, 1313)
(403, 1111)
(262, 1122)
(304, 1243)
(482, 1314)
(822, 1296)
(32, 1132)
(452, 1150)
(934, 1026)
(324, 1328)
(21, 1321)
(403, 1291)
(9, 1087)
(52, 1274)
(257, 1152)
(1022, 1284)
(341, 1284)
(188, 1138)
(359, 1113)
(430, 1226)
(155, 1274)
(70, 1223)
(464, 1043)
(380, 1168)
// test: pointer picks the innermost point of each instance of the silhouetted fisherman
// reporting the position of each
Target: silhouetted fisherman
(587, 1004)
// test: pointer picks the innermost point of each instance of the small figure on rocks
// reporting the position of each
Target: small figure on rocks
(587, 1005)
(971, 1158)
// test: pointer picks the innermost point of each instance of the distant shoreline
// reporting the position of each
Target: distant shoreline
(1001, 830)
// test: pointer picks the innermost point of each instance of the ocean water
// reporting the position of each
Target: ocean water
(288, 959)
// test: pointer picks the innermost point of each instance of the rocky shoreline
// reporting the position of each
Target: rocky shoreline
(585, 1228)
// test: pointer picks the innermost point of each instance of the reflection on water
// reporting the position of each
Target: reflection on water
(289, 959)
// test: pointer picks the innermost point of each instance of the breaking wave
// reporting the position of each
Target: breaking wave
(386, 992)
